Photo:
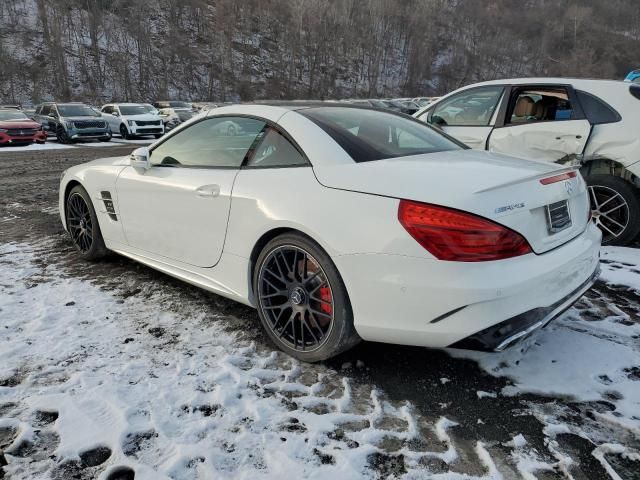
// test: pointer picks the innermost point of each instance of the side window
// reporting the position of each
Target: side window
(213, 142)
(107, 109)
(46, 109)
(531, 105)
(38, 110)
(274, 150)
(471, 108)
(596, 110)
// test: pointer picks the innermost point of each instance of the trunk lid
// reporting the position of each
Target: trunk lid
(504, 189)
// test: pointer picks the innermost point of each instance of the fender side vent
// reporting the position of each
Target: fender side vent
(108, 205)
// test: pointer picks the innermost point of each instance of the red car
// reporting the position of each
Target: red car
(18, 129)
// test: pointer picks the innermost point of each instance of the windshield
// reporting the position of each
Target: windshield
(133, 110)
(13, 115)
(367, 134)
(77, 111)
(184, 116)
(179, 105)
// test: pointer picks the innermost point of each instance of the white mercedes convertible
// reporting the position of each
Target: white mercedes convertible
(342, 223)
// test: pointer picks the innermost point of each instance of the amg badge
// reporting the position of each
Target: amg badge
(508, 208)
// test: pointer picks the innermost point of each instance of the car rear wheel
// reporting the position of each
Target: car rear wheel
(124, 132)
(615, 208)
(82, 224)
(301, 299)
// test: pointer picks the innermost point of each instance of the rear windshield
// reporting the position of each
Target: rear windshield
(133, 109)
(368, 135)
(12, 115)
(77, 111)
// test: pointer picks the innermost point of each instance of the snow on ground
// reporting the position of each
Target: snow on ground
(93, 383)
(621, 266)
(52, 144)
(582, 355)
(120, 141)
(49, 145)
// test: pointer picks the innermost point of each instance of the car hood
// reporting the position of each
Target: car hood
(502, 188)
(18, 124)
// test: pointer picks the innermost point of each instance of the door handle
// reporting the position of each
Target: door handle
(208, 191)
(570, 135)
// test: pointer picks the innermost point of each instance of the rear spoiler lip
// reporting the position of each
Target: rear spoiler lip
(538, 176)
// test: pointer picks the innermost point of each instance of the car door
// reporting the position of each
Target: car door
(179, 207)
(542, 122)
(467, 116)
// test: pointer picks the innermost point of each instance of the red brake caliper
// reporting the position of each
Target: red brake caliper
(325, 295)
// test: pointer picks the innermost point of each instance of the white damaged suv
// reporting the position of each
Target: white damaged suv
(132, 120)
(591, 122)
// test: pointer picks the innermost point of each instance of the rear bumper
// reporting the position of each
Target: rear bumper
(417, 301)
(509, 332)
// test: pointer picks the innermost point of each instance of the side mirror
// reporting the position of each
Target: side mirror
(53, 115)
(115, 114)
(438, 121)
(140, 158)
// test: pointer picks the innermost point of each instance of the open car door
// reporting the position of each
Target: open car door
(542, 123)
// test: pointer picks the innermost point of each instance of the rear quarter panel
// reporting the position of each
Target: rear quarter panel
(341, 222)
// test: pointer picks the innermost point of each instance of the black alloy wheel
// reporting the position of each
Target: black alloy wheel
(301, 299)
(79, 223)
(61, 135)
(83, 226)
(124, 132)
(296, 297)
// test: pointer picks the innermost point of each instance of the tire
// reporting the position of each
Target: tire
(105, 139)
(619, 217)
(83, 226)
(157, 135)
(124, 132)
(61, 135)
(315, 274)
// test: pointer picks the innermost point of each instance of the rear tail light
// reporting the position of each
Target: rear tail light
(459, 236)
(558, 178)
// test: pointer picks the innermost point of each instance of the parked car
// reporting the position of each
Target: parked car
(174, 117)
(405, 105)
(339, 223)
(175, 104)
(132, 120)
(593, 123)
(633, 76)
(16, 128)
(424, 101)
(71, 122)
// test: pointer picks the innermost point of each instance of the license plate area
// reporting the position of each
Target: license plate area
(558, 216)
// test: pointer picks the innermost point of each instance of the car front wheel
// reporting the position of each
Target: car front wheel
(61, 135)
(615, 208)
(301, 299)
(82, 224)
(124, 133)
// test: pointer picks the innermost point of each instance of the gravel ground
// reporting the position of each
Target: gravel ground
(483, 428)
